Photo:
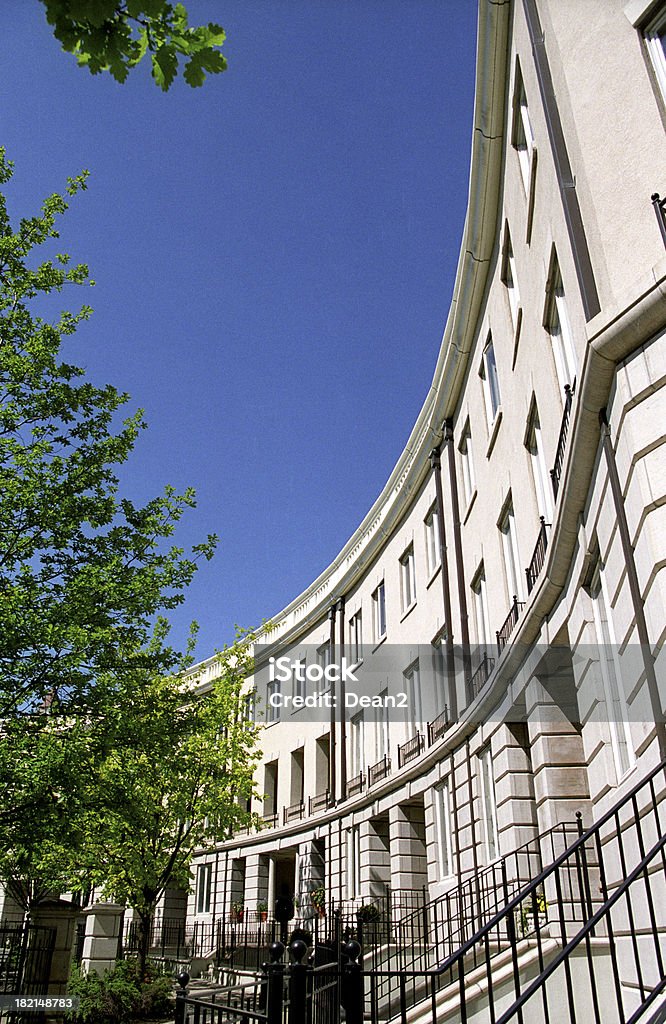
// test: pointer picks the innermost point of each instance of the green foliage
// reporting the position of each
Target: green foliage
(368, 913)
(120, 995)
(109, 35)
(318, 897)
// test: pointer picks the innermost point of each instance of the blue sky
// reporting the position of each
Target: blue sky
(274, 256)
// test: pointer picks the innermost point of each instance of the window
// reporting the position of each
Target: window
(323, 661)
(379, 612)
(522, 135)
(382, 728)
(356, 637)
(514, 578)
(540, 475)
(273, 702)
(510, 280)
(481, 607)
(467, 462)
(432, 540)
(408, 579)
(353, 862)
(412, 685)
(489, 805)
(299, 678)
(203, 888)
(559, 327)
(357, 745)
(620, 733)
(249, 702)
(655, 40)
(443, 825)
(488, 374)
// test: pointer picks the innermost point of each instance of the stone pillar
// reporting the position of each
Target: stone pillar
(61, 916)
(375, 873)
(409, 868)
(102, 936)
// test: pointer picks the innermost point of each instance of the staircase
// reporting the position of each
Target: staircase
(583, 940)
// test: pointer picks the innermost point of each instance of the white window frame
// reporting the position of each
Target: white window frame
(272, 712)
(543, 487)
(482, 616)
(300, 685)
(408, 579)
(432, 539)
(558, 324)
(491, 389)
(510, 279)
(357, 744)
(382, 732)
(514, 576)
(617, 711)
(655, 41)
(353, 862)
(204, 888)
(379, 611)
(489, 804)
(522, 135)
(356, 637)
(412, 687)
(444, 830)
(467, 463)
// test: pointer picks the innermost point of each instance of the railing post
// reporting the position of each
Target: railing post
(298, 984)
(351, 995)
(274, 973)
(181, 996)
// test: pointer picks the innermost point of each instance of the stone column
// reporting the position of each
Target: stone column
(102, 937)
(409, 868)
(61, 916)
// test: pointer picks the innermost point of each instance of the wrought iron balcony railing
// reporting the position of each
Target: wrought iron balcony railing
(660, 210)
(509, 623)
(269, 820)
(438, 726)
(294, 813)
(411, 749)
(480, 676)
(320, 802)
(379, 771)
(356, 785)
(538, 556)
(556, 471)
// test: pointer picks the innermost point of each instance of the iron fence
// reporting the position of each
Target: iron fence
(509, 623)
(556, 471)
(539, 555)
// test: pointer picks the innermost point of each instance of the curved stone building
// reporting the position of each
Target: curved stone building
(509, 580)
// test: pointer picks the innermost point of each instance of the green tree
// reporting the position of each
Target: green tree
(115, 35)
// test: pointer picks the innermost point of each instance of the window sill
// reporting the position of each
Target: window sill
(494, 432)
(433, 576)
(408, 611)
(470, 505)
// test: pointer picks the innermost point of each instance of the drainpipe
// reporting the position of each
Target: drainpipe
(634, 585)
(457, 541)
(436, 466)
(333, 782)
(343, 723)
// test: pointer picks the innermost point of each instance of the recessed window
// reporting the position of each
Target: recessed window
(488, 374)
(273, 701)
(522, 134)
(507, 527)
(356, 637)
(467, 463)
(540, 475)
(204, 886)
(249, 706)
(412, 687)
(432, 540)
(489, 805)
(655, 40)
(444, 831)
(379, 612)
(408, 578)
(357, 745)
(480, 592)
(382, 727)
(557, 323)
(298, 673)
(510, 279)
(353, 862)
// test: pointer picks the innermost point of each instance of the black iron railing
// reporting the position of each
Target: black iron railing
(660, 210)
(438, 726)
(556, 471)
(379, 771)
(509, 623)
(294, 812)
(319, 802)
(480, 676)
(269, 820)
(586, 931)
(538, 556)
(411, 749)
(356, 784)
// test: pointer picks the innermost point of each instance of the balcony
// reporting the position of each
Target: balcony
(320, 802)
(379, 771)
(539, 555)
(269, 821)
(556, 471)
(438, 726)
(410, 750)
(509, 624)
(480, 676)
(293, 813)
(356, 785)
(660, 210)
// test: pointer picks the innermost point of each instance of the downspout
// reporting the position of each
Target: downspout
(333, 782)
(457, 543)
(634, 585)
(436, 466)
(343, 723)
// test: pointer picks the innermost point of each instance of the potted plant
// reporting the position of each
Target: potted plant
(318, 899)
(368, 913)
(262, 910)
(237, 911)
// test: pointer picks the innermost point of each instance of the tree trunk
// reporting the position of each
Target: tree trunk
(144, 942)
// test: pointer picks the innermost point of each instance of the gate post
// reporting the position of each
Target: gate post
(181, 996)
(298, 984)
(351, 995)
(274, 973)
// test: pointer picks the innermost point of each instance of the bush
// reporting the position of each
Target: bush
(120, 995)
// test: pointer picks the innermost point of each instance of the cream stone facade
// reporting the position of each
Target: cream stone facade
(544, 431)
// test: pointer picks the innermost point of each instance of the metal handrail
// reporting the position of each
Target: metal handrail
(509, 623)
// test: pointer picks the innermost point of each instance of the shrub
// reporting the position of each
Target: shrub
(120, 995)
